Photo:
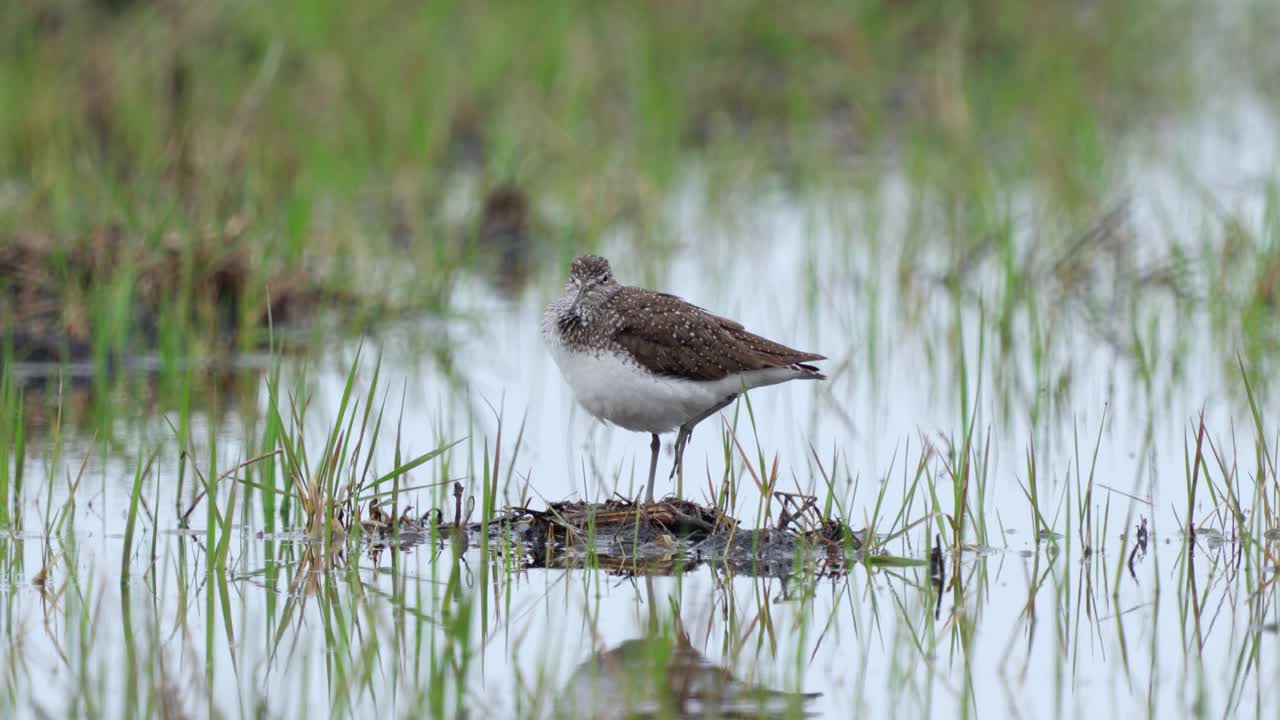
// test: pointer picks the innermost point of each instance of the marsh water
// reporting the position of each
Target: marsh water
(1100, 380)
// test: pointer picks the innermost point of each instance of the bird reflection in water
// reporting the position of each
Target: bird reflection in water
(664, 675)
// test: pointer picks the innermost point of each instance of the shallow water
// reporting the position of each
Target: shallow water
(1030, 629)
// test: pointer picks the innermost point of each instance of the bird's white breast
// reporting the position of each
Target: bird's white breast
(615, 389)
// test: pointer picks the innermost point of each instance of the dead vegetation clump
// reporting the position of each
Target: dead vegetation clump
(661, 537)
(624, 537)
(54, 294)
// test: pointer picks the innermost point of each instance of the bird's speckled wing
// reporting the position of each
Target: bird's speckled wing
(674, 338)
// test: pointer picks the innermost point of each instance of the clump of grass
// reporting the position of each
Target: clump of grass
(333, 490)
(12, 450)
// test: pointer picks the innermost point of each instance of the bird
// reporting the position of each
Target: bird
(648, 361)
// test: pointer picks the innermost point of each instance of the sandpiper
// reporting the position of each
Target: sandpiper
(650, 362)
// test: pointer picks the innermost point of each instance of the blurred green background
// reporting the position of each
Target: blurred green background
(173, 171)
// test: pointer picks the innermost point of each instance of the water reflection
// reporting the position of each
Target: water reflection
(969, 628)
(662, 674)
(74, 399)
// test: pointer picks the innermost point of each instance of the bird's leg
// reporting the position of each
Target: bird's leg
(686, 432)
(654, 446)
(681, 438)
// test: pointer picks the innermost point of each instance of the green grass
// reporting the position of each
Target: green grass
(311, 136)
(12, 451)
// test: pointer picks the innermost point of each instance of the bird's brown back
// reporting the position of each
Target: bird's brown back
(675, 338)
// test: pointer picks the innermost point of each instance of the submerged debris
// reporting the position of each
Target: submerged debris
(1139, 551)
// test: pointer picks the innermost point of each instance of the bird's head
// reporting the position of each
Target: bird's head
(591, 278)
(589, 270)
